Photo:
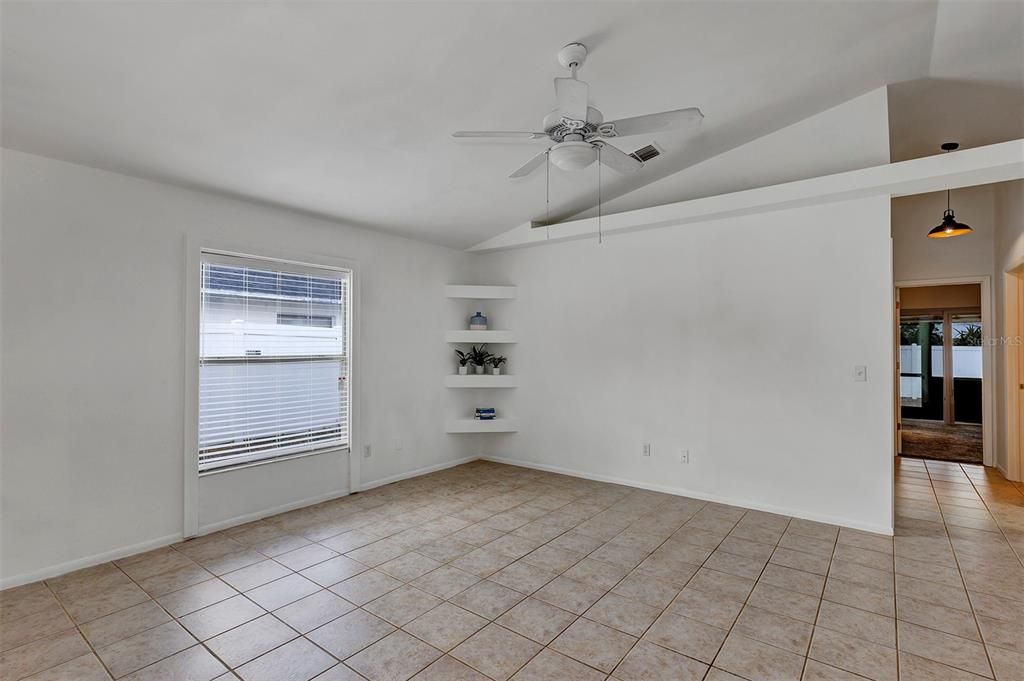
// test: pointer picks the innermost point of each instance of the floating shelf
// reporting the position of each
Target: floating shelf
(481, 381)
(489, 336)
(475, 426)
(480, 292)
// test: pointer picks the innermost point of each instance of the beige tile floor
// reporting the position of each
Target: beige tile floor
(493, 572)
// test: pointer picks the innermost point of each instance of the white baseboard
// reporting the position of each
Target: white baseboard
(124, 551)
(96, 559)
(1004, 470)
(88, 561)
(142, 547)
(419, 471)
(266, 513)
(703, 496)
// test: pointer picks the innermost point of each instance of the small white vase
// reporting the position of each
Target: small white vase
(463, 370)
(496, 371)
(479, 369)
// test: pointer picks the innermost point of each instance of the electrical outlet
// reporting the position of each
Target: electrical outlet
(860, 373)
(684, 456)
(647, 449)
(367, 452)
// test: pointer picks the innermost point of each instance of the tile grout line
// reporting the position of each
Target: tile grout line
(665, 609)
(970, 600)
(945, 529)
(959, 569)
(895, 597)
(821, 599)
(745, 600)
(995, 520)
(230, 669)
(78, 629)
(546, 646)
(173, 619)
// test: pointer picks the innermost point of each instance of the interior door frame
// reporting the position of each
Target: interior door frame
(897, 374)
(1013, 283)
(988, 390)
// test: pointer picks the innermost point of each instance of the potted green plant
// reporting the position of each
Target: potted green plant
(464, 360)
(496, 361)
(478, 356)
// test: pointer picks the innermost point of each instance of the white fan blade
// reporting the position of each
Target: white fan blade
(571, 95)
(531, 165)
(618, 160)
(502, 134)
(657, 122)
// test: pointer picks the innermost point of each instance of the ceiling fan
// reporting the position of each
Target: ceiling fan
(578, 130)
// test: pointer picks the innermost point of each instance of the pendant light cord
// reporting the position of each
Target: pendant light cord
(947, 188)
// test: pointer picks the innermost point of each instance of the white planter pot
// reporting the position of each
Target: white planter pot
(479, 370)
(496, 371)
(463, 370)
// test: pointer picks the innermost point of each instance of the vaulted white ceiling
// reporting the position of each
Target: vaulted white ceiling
(346, 109)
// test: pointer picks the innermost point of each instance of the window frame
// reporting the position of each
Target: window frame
(195, 251)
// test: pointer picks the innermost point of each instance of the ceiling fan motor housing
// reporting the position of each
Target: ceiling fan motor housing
(557, 129)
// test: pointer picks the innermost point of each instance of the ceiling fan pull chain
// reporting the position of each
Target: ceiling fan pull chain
(600, 235)
(547, 193)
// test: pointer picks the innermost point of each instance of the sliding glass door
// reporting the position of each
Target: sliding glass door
(922, 388)
(933, 347)
(966, 359)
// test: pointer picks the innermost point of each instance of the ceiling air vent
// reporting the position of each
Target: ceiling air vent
(645, 154)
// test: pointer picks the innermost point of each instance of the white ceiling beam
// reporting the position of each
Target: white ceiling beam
(966, 168)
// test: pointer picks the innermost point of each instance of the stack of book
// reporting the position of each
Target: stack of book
(485, 414)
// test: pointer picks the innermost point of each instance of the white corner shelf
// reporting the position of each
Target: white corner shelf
(489, 336)
(477, 426)
(481, 381)
(480, 292)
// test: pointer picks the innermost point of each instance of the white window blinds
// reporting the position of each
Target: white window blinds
(273, 360)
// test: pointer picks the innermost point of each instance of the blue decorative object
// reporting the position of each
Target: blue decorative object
(478, 322)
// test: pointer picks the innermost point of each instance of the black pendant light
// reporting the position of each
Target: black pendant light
(949, 227)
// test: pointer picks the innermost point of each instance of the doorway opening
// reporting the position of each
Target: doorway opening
(942, 372)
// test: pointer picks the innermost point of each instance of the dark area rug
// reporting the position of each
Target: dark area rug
(935, 440)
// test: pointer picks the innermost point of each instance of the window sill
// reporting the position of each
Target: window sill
(279, 459)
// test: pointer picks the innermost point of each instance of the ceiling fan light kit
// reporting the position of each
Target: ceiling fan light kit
(949, 227)
(573, 155)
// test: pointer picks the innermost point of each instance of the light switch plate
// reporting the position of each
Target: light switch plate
(860, 373)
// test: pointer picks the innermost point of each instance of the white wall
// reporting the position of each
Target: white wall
(916, 257)
(1009, 225)
(735, 339)
(1009, 254)
(93, 345)
(850, 136)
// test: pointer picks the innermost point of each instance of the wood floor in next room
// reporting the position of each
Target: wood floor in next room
(494, 572)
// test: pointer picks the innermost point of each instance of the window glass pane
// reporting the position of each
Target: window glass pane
(920, 365)
(966, 347)
(273, 375)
